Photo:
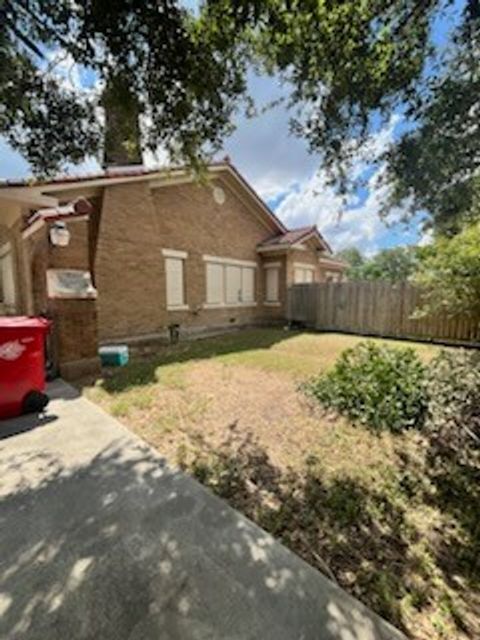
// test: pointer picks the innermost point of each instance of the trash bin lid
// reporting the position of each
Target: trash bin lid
(24, 322)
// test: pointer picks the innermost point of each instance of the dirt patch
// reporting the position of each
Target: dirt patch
(214, 402)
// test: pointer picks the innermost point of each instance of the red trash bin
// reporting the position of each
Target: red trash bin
(22, 361)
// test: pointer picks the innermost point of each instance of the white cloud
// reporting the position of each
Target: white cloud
(356, 221)
(263, 149)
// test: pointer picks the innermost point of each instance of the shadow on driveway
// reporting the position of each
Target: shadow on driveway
(100, 539)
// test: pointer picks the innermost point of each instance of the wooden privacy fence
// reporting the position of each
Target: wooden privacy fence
(375, 308)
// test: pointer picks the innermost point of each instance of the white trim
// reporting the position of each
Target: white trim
(268, 303)
(35, 226)
(173, 253)
(227, 305)
(229, 261)
(178, 307)
(299, 247)
(330, 262)
(272, 265)
(304, 265)
(274, 247)
(28, 196)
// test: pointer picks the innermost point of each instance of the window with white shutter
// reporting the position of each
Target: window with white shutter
(234, 284)
(229, 282)
(303, 273)
(272, 282)
(175, 278)
(7, 280)
(248, 284)
(308, 276)
(215, 287)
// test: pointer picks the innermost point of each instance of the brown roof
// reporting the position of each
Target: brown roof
(293, 236)
(65, 178)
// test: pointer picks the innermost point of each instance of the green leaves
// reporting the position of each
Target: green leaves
(378, 386)
(449, 273)
(453, 386)
(395, 264)
(184, 78)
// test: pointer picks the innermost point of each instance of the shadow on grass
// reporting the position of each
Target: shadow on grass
(353, 534)
(358, 535)
(457, 492)
(142, 368)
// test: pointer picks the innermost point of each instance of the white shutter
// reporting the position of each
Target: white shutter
(298, 276)
(175, 288)
(7, 285)
(308, 275)
(215, 287)
(234, 284)
(248, 284)
(272, 285)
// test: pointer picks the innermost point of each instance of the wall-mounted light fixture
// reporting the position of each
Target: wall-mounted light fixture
(59, 234)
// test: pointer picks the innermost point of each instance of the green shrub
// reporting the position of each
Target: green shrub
(379, 386)
(453, 387)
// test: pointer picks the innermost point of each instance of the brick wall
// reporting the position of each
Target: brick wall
(137, 223)
(75, 336)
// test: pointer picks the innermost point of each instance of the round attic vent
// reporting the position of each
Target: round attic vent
(219, 195)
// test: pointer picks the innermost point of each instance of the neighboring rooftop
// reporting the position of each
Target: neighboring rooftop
(294, 236)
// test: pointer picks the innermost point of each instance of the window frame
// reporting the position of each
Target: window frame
(180, 256)
(269, 268)
(227, 264)
(7, 257)
(304, 266)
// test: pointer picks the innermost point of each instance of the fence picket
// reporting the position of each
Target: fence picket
(375, 308)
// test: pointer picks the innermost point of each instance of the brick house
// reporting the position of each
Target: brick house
(125, 254)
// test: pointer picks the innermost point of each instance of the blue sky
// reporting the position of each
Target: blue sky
(290, 179)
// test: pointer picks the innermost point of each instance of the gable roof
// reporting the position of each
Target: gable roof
(134, 173)
(294, 236)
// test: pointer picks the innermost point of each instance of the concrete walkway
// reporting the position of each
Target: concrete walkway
(101, 541)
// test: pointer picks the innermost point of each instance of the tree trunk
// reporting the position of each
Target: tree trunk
(122, 129)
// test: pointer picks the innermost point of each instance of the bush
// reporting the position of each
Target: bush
(379, 386)
(453, 387)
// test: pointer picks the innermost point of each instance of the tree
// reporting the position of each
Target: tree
(349, 66)
(435, 166)
(449, 273)
(352, 64)
(395, 264)
(355, 261)
(183, 78)
(344, 61)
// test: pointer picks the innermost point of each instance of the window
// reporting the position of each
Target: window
(215, 283)
(174, 273)
(230, 283)
(303, 273)
(7, 280)
(332, 276)
(272, 281)
(248, 284)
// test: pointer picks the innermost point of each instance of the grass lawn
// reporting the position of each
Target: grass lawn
(362, 508)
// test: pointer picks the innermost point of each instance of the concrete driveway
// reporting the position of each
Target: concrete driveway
(101, 540)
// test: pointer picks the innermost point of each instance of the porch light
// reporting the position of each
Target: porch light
(59, 235)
